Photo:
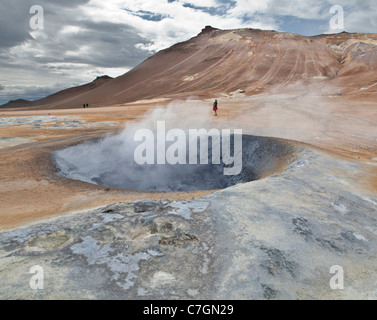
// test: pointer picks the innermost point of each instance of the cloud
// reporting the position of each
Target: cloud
(362, 17)
(13, 23)
(296, 8)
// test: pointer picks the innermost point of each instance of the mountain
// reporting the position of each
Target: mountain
(19, 103)
(244, 60)
(61, 97)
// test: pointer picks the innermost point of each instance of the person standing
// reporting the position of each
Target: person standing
(215, 108)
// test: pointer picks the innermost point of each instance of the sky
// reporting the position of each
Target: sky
(61, 44)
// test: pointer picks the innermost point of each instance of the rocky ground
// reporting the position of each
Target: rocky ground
(275, 238)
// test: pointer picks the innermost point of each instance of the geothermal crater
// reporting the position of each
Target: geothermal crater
(110, 162)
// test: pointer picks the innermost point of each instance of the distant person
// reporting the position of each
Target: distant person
(87, 106)
(215, 108)
(83, 106)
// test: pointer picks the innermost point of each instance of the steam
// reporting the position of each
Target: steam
(302, 112)
(110, 161)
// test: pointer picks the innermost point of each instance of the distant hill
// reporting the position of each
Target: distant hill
(19, 103)
(64, 96)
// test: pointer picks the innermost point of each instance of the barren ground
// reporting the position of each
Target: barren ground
(275, 238)
(31, 190)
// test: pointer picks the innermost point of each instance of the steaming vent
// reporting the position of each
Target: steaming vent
(110, 162)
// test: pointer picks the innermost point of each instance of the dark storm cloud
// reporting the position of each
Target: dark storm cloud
(15, 18)
(110, 44)
(14, 23)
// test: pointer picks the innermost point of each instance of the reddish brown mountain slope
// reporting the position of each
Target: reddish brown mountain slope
(254, 61)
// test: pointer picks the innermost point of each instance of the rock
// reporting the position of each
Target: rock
(208, 29)
(144, 206)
